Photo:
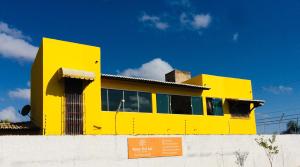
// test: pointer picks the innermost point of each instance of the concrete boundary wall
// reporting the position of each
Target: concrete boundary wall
(111, 151)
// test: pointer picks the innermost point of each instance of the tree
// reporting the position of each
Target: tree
(240, 157)
(268, 144)
(292, 127)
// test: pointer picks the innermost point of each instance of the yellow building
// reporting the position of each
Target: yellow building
(70, 96)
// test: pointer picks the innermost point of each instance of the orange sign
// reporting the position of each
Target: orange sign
(154, 147)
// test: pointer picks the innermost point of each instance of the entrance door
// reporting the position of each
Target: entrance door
(73, 107)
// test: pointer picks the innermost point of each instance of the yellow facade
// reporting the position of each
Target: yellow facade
(47, 107)
(48, 98)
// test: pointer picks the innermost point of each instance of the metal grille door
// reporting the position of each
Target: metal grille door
(73, 107)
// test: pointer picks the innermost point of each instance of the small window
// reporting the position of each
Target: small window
(104, 101)
(197, 106)
(239, 109)
(131, 101)
(181, 104)
(115, 98)
(162, 103)
(145, 102)
(214, 106)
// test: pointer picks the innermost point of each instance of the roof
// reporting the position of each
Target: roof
(19, 128)
(14, 126)
(256, 103)
(150, 81)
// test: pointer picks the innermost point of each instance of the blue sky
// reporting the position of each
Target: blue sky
(257, 40)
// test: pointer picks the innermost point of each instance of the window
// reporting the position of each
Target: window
(197, 106)
(163, 104)
(176, 104)
(104, 96)
(129, 101)
(115, 100)
(214, 106)
(239, 109)
(145, 102)
(181, 104)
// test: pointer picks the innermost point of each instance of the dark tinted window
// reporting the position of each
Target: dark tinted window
(145, 102)
(181, 104)
(115, 98)
(131, 102)
(214, 106)
(239, 109)
(104, 100)
(197, 106)
(162, 103)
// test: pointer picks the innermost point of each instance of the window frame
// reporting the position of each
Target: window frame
(123, 91)
(201, 105)
(170, 104)
(214, 98)
(169, 110)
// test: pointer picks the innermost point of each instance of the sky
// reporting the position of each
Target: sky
(251, 39)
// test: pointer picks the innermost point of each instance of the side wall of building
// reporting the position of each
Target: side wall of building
(156, 123)
(58, 54)
(149, 123)
(36, 84)
(224, 87)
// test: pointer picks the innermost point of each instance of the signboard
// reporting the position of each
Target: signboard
(154, 147)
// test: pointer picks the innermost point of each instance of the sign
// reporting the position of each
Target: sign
(154, 147)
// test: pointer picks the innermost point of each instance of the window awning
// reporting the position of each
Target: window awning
(256, 103)
(76, 74)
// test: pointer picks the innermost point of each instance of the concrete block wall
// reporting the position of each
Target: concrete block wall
(111, 151)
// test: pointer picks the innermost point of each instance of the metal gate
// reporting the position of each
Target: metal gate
(73, 107)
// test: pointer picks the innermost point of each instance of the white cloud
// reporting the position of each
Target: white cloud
(20, 93)
(5, 29)
(191, 21)
(13, 44)
(154, 21)
(235, 36)
(10, 114)
(19, 49)
(278, 89)
(188, 19)
(154, 69)
(201, 21)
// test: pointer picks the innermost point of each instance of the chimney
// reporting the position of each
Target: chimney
(177, 76)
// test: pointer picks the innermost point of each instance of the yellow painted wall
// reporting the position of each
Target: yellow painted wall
(225, 87)
(156, 123)
(57, 54)
(48, 98)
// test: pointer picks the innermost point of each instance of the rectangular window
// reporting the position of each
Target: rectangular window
(163, 105)
(128, 101)
(197, 106)
(176, 104)
(115, 100)
(181, 104)
(131, 101)
(214, 106)
(145, 102)
(104, 100)
(239, 109)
